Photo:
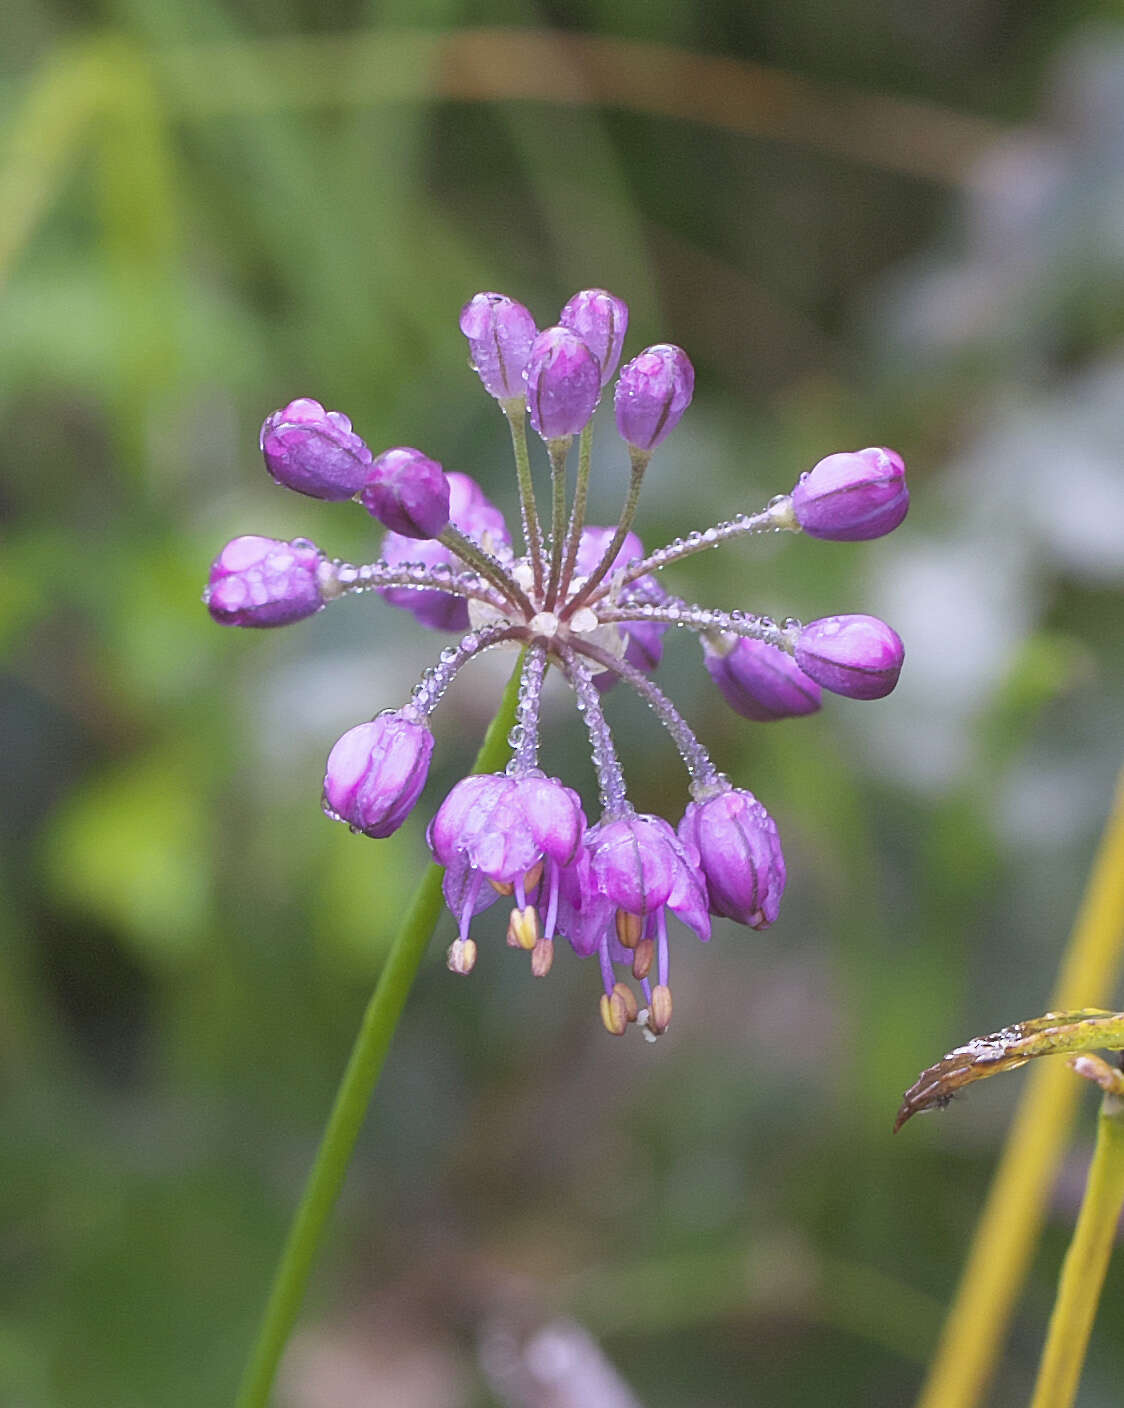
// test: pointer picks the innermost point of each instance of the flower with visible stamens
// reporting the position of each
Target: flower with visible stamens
(502, 835)
(583, 600)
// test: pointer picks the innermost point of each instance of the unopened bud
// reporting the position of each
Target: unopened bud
(614, 1014)
(542, 958)
(630, 928)
(461, 957)
(659, 1017)
(643, 957)
(859, 656)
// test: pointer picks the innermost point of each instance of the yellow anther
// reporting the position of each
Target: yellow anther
(628, 998)
(461, 957)
(630, 928)
(524, 927)
(613, 1014)
(542, 956)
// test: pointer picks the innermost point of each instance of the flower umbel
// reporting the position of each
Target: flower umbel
(585, 601)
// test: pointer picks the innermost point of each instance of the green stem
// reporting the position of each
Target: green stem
(558, 451)
(354, 1096)
(577, 513)
(640, 460)
(484, 563)
(1083, 1272)
(515, 411)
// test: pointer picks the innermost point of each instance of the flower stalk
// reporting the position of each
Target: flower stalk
(353, 1098)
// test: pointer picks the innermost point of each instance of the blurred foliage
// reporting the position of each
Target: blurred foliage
(206, 210)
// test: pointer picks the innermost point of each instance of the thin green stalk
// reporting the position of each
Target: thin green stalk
(1086, 1261)
(353, 1097)
(577, 513)
(640, 460)
(558, 450)
(1009, 1224)
(491, 570)
(515, 411)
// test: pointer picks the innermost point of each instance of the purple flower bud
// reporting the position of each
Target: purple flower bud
(314, 451)
(473, 513)
(740, 855)
(376, 772)
(852, 496)
(759, 681)
(500, 333)
(563, 383)
(408, 493)
(652, 393)
(600, 319)
(859, 656)
(262, 582)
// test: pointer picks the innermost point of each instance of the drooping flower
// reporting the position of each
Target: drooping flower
(588, 603)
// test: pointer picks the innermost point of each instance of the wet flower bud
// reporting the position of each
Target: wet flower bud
(408, 493)
(600, 319)
(739, 855)
(852, 496)
(859, 656)
(262, 582)
(652, 393)
(314, 451)
(759, 681)
(500, 333)
(563, 383)
(473, 513)
(376, 772)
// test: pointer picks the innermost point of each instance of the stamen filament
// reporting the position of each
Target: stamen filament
(640, 460)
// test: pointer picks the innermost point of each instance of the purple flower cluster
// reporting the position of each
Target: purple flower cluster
(587, 602)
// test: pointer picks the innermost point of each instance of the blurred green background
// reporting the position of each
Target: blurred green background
(868, 223)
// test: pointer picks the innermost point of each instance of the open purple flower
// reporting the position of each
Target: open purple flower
(588, 603)
(507, 835)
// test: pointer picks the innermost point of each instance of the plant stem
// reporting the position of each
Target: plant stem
(354, 1096)
(577, 511)
(515, 411)
(1009, 1224)
(558, 450)
(1086, 1261)
(639, 460)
